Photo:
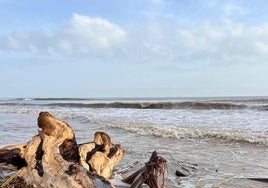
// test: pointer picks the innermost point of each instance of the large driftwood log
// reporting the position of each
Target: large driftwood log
(54, 159)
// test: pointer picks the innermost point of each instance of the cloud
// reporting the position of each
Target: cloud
(81, 34)
(225, 42)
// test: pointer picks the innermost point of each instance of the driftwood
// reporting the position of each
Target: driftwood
(101, 155)
(154, 169)
(54, 159)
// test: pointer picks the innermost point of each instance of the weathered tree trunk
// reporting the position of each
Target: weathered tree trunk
(54, 159)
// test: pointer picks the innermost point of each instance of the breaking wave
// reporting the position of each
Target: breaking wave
(190, 133)
(160, 105)
(148, 105)
(142, 103)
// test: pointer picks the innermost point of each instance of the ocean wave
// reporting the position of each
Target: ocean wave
(157, 105)
(191, 133)
(223, 104)
(20, 111)
(263, 107)
(146, 105)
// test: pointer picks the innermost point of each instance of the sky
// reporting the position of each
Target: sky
(133, 48)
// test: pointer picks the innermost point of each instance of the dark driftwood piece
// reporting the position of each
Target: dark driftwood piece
(54, 159)
(154, 169)
(12, 156)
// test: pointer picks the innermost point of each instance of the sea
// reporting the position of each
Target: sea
(225, 139)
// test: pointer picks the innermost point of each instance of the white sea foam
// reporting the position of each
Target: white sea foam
(180, 133)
